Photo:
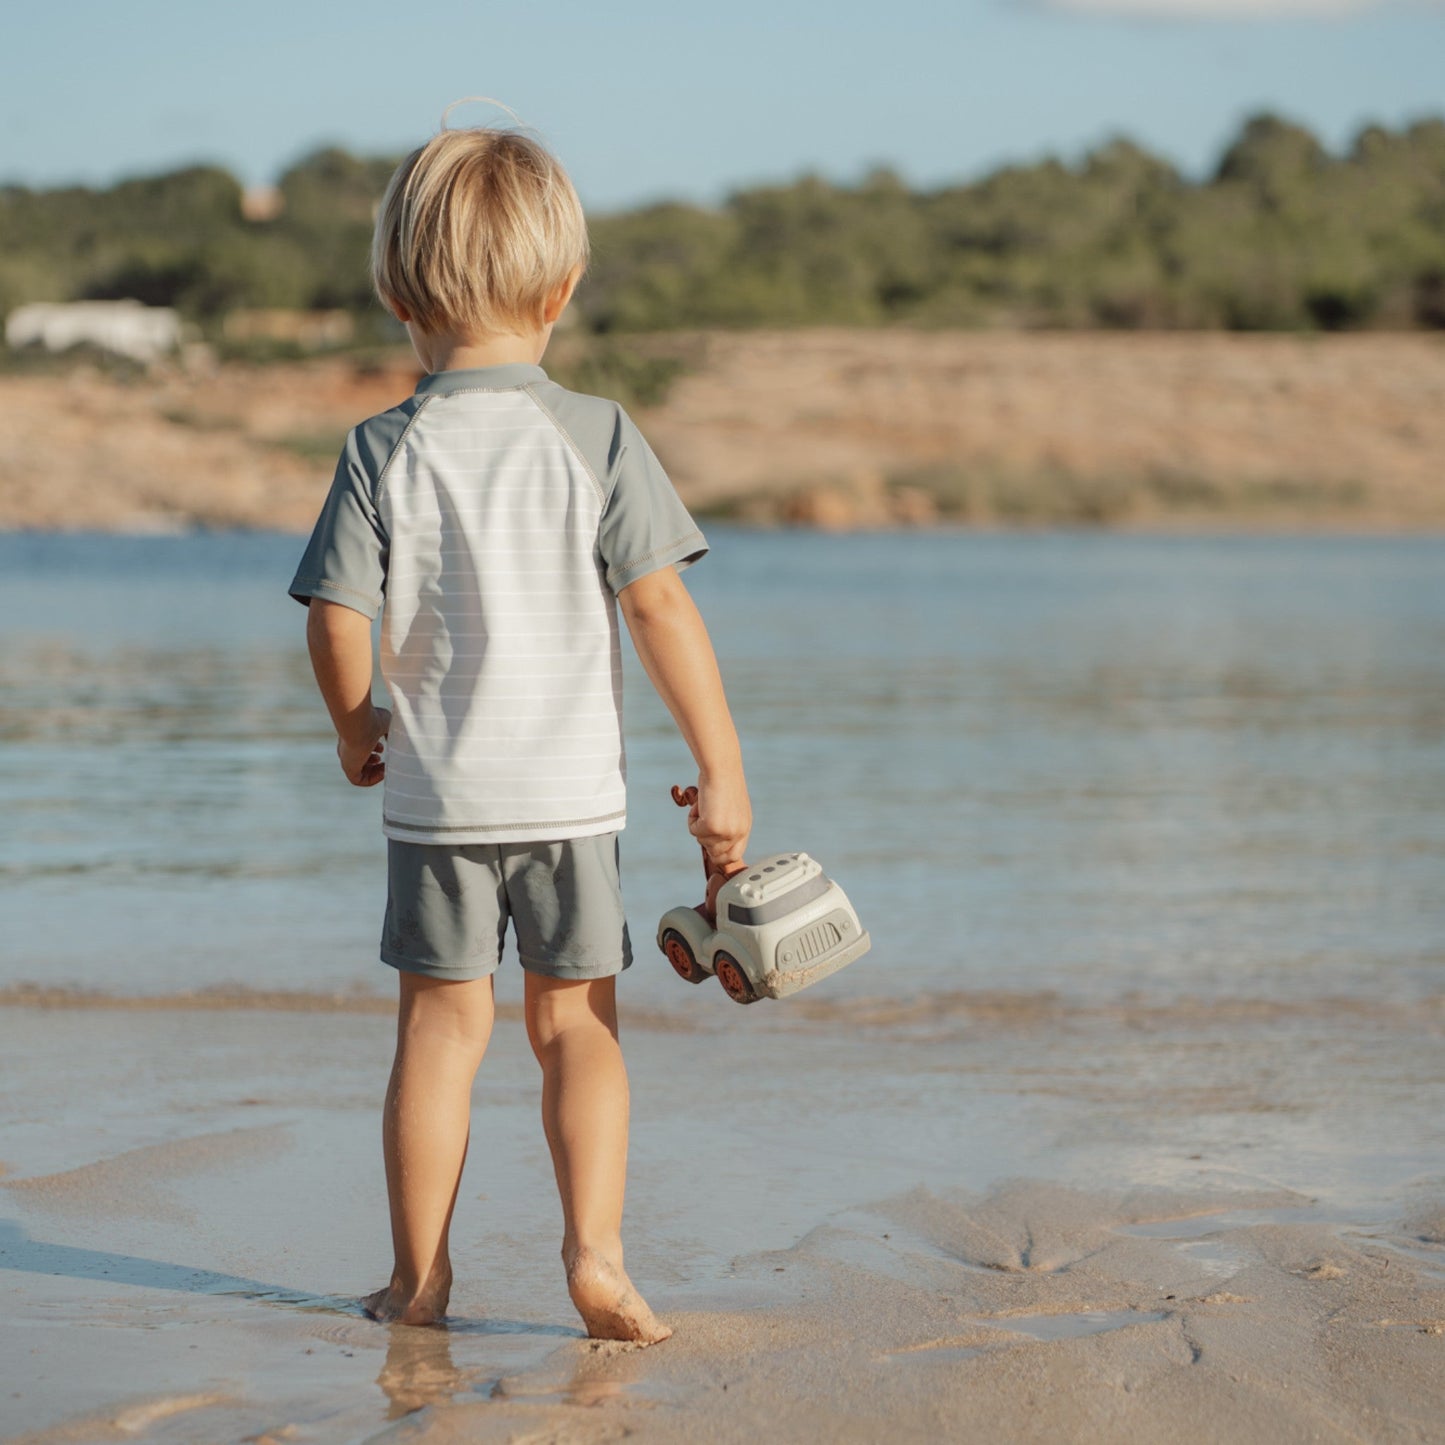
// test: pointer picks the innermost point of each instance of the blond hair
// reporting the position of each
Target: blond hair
(477, 230)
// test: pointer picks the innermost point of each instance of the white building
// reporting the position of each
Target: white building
(143, 333)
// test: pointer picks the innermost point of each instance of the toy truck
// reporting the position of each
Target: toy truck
(766, 929)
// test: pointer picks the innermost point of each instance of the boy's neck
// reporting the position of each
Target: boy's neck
(457, 351)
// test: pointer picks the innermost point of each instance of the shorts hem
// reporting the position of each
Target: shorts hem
(573, 973)
(436, 970)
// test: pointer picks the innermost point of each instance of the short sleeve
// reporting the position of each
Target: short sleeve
(345, 560)
(645, 526)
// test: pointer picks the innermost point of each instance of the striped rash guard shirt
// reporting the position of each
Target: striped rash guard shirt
(492, 518)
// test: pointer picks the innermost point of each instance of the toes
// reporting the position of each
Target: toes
(374, 1306)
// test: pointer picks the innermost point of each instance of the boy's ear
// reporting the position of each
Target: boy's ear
(557, 301)
(399, 311)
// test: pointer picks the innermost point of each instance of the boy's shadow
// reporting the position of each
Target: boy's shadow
(25, 1255)
(21, 1253)
(418, 1371)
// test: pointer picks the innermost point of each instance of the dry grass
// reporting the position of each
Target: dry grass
(823, 427)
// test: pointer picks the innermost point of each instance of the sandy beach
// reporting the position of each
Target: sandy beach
(1144, 1221)
(1129, 1129)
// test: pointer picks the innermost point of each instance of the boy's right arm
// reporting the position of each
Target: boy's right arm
(339, 640)
(673, 645)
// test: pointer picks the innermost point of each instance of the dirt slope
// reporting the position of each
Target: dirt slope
(828, 427)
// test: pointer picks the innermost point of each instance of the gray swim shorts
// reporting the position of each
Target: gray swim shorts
(447, 908)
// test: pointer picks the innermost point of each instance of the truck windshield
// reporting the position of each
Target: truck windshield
(776, 908)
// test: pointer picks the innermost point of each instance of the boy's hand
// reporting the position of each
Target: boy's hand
(722, 818)
(362, 758)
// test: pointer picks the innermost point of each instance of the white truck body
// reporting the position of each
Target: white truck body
(782, 924)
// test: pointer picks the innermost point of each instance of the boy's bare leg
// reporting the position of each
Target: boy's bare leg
(442, 1031)
(572, 1025)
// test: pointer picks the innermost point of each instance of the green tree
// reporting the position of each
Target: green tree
(1283, 235)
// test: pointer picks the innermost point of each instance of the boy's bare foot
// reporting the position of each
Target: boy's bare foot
(394, 1306)
(609, 1305)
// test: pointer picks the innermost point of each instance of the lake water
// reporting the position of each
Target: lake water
(1087, 763)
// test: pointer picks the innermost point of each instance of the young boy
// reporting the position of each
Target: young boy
(496, 519)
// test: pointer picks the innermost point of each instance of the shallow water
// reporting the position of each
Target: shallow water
(1078, 762)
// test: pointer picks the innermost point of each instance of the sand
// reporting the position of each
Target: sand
(1005, 1216)
(826, 427)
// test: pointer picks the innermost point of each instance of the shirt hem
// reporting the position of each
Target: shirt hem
(556, 829)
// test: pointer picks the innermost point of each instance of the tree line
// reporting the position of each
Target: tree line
(1283, 235)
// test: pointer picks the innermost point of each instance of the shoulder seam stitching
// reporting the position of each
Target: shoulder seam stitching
(479, 390)
(392, 454)
(570, 440)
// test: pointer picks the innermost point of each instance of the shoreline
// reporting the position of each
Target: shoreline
(996, 1007)
(1184, 528)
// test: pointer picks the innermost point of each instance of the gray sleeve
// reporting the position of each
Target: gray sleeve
(345, 560)
(645, 526)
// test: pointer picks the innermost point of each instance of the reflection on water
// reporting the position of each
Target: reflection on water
(1089, 763)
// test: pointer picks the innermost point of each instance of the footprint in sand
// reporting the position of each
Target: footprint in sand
(1000, 1331)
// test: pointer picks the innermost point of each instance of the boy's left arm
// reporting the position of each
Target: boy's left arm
(339, 640)
(674, 649)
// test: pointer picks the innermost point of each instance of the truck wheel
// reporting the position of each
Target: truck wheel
(733, 979)
(679, 955)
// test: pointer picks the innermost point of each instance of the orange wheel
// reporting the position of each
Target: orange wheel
(679, 955)
(733, 979)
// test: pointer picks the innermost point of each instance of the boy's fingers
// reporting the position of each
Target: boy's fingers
(722, 848)
(370, 772)
(371, 769)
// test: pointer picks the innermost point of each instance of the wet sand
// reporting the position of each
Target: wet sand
(1009, 1215)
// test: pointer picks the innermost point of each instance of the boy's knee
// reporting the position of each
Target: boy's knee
(462, 1010)
(556, 1005)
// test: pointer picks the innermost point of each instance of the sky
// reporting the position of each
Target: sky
(646, 100)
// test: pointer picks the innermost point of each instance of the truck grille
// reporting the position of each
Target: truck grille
(813, 942)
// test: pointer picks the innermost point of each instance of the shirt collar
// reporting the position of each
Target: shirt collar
(480, 378)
